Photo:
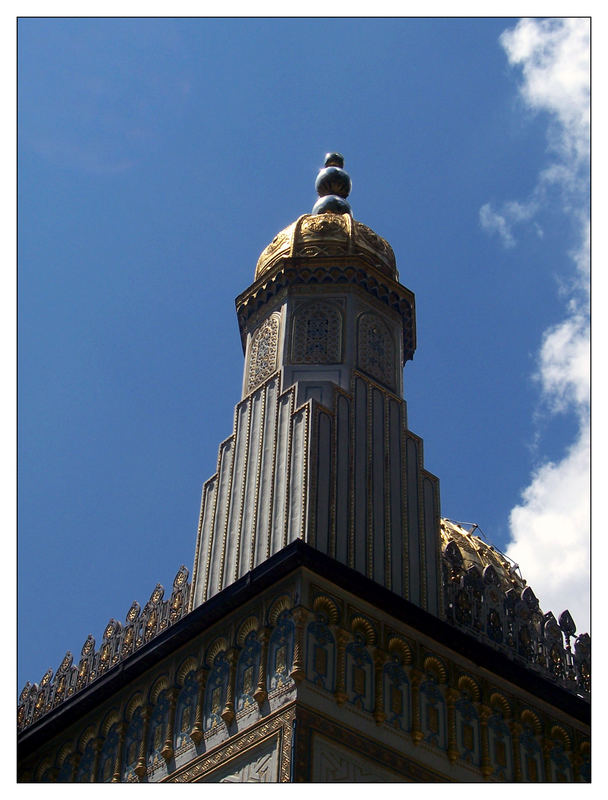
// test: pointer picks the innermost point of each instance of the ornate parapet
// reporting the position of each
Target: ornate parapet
(118, 642)
(394, 693)
(484, 596)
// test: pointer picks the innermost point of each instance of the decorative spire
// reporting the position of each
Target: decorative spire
(333, 186)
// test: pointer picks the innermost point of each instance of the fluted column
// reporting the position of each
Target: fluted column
(298, 671)
(197, 733)
(486, 763)
(141, 768)
(452, 696)
(122, 730)
(516, 730)
(228, 713)
(167, 751)
(261, 692)
(416, 678)
(379, 661)
(342, 638)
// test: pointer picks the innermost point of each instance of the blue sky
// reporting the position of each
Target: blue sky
(158, 157)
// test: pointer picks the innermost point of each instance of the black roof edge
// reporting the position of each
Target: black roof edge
(297, 554)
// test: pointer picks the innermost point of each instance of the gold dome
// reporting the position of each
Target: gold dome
(476, 552)
(329, 235)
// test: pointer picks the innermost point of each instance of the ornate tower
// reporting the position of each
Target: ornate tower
(320, 449)
(335, 629)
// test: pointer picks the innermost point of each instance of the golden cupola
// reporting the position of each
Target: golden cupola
(330, 230)
(328, 252)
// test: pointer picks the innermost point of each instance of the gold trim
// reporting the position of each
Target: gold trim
(279, 725)
(352, 532)
(436, 667)
(219, 645)
(313, 474)
(288, 457)
(398, 646)
(529, 717)
(215, 498)
(282, 603)
(228, 498)
(258, 471)
(114, 716)
(557, 732)
(466, 683)
(405, 526)
(159, 685)
(275, 434)
(388, 578)
(249, 624)
(362, 625)
(189, 664)
(322, 603)
(305, 470)
(369, 407)
(245, 467)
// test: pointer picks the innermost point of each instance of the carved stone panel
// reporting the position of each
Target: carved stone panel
(376, 349)
(335, 764)
(317, 334)
(263, 353)
(259, 765)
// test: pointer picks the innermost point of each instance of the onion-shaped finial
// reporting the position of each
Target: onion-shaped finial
(333, 186)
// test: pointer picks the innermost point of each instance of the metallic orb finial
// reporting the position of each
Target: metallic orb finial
(333, 186)
(334, 160)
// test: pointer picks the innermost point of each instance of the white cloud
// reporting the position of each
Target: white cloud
(550, 527)
(491, 221)
(551, 530)
(554, 59)
(564, 366)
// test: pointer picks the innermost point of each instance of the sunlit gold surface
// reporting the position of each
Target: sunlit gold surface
(328, 235)
(480, 554)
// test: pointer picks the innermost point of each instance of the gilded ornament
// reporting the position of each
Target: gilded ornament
(25, 692)
(109, 631)
(370, 237)
(325, 224)
(46, 678)
(275, 244)
(88, 647)
(181, 578)
(66, 663)
(176, 605)
(157, 594)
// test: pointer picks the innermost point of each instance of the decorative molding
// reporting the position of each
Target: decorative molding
(376, 349)
(279, 725)
(263, 351)
(341, 270)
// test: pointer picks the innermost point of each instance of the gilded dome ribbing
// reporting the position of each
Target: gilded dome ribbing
(475, 552)
(329, 235)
